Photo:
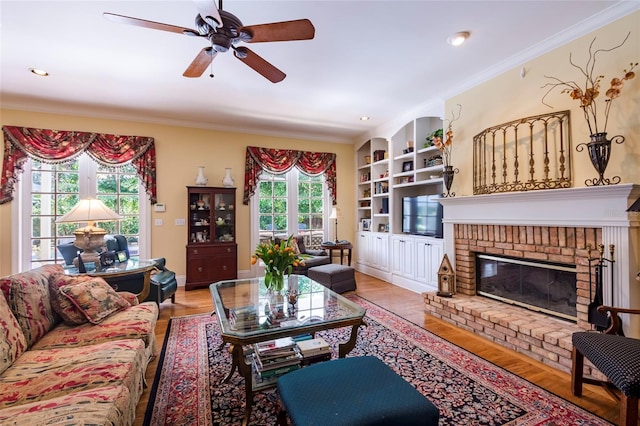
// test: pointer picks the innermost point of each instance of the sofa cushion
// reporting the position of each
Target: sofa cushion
(136, 322)
(110, 404)
(40, 375)
(12, 341)
(60, 303)
(95, 299)
(27, 294)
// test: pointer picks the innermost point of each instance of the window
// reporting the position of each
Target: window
(291, 203)
(46, 192)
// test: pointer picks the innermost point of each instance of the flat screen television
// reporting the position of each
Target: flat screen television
(422, 215)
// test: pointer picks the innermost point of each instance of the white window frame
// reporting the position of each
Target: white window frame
(292, 217)
(21, 213)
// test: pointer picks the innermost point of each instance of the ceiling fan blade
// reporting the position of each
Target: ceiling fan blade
(259, 65)
(121, 19)
(301, 29)
(200, 62)
(209, 12)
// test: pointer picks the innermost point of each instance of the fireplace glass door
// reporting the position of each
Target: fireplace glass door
(544, 287)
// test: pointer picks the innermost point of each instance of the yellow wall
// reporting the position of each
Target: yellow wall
(179, 151)
(509, 97)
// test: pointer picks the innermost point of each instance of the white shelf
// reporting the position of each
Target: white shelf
(404, 156)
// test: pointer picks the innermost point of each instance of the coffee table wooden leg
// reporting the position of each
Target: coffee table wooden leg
(245, 371)
(233, 363)
(345, 348)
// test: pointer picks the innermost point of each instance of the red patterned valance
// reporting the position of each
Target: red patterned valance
(280, 161)
(59, 146)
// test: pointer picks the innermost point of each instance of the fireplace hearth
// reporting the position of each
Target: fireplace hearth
(539, 286)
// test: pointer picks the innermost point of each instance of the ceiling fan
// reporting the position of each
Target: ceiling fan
(224, 30)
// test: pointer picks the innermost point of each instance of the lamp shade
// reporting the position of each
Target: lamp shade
(335, 213)
(89, 210)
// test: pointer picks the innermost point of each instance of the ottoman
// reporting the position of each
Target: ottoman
(354, 391)
(339, 278)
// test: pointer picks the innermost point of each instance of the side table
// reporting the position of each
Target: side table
(123, 269)
(342, 247)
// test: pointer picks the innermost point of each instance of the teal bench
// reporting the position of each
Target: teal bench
(355, 391)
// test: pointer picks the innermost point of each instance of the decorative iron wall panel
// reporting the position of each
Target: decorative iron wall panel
(523, 155)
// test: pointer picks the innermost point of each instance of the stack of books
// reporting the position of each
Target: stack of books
(314, 350)
(274, 358)
(245, 318)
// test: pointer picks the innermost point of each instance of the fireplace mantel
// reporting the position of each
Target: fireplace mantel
(601, 207)
(594, 206)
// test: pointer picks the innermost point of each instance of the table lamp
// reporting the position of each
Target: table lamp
(89, 238)
(335, 214)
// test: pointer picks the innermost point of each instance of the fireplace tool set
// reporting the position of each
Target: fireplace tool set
(597, 264)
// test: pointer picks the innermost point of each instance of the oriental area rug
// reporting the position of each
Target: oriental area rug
(187, 389)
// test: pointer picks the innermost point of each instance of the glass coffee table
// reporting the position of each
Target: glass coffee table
(248, 314)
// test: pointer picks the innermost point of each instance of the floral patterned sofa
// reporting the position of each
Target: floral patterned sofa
(72, 350)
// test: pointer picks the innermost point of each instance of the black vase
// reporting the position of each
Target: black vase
(447, 176)
(599, 150)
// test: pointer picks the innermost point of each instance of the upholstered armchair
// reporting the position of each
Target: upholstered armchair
(617, 357)
(163, 283)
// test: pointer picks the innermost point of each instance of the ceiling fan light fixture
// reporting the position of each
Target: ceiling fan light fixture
(458, 38)
(39, 72)
(365, 118)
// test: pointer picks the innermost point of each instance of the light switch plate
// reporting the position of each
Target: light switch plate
(158, 222)
(180, 222)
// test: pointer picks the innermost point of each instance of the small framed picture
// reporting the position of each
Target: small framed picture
(386, 227)
(122, 256)
(407, 166)
(381, 227)
(366, 224)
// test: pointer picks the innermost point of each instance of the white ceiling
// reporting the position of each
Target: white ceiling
(377, 58)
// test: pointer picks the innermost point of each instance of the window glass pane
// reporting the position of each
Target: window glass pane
(129, 185)
(55, 190)
(67, 182)
(297, 210)
(107, 184)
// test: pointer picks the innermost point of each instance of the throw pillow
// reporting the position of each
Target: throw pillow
(294, 245)
(12, 341)
(27, 295)
(300, 242)
(61, 303)
(95, 299)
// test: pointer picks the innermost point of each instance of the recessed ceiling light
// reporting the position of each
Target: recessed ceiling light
(458, 38)
(364, 118)
(39, 72)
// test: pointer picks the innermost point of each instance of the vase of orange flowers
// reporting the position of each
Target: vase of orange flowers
(599, 148)
(279, 260)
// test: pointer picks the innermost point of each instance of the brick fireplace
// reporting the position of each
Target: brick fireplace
(548, 225)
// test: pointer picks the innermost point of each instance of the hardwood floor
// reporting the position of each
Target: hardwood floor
(410, 306)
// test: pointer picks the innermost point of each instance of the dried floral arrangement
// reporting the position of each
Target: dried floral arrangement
(445, 146)
(587, 93)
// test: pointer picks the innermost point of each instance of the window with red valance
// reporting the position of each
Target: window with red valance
(280, 161)
(60, 146)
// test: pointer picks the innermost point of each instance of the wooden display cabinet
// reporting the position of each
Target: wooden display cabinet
(212, 252)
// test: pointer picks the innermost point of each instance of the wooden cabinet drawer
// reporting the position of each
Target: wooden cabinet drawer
(207, 264)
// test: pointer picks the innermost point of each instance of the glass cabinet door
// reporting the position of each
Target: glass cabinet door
(224, 212)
